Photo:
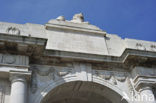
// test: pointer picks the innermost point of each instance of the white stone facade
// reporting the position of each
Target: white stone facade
(74, 62)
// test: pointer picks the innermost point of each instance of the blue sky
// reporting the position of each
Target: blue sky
(126, 18)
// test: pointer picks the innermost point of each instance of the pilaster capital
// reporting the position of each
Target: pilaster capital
(144, 82)
(143, 77)
(20, 76)
(145, 88)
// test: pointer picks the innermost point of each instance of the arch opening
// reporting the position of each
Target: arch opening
(82, 92)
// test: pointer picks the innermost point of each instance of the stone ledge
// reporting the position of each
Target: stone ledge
(22, 39)
(100, 58)
(51, 26)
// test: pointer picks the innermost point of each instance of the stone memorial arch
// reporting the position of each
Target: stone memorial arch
(73, 61)
(78, 86)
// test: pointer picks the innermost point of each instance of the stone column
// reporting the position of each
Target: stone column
(19, 87)
(18, 90)
(147, 95)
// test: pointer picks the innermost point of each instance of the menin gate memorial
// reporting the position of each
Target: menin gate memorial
(74, 62)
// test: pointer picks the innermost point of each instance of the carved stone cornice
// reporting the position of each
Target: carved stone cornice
(21, 44)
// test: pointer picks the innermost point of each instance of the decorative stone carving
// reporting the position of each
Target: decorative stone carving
(114, 80)
(63, 73)
(44, 71)
(153, 47)
(60, 18)
(107, 76)
(111, 75)
(140, 46)
(78, 18)
(120, 76)
(103, 74)
(14, 60)
(59, 73)
(13, 30)
(53, 72)
(9, 59)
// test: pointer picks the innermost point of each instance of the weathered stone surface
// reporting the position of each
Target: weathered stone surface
(78, 18)
(4, 91)
(28, 29)
(73, 61)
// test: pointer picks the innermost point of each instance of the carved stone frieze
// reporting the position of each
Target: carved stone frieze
(120, 76)
(57, 73)
(153, 47)
(18, 60)
(53, 71)
(107, 75)
(103, 74)
(9, 59)
(140, 46)
(13, 30)
(43, 71)
(64, 72)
